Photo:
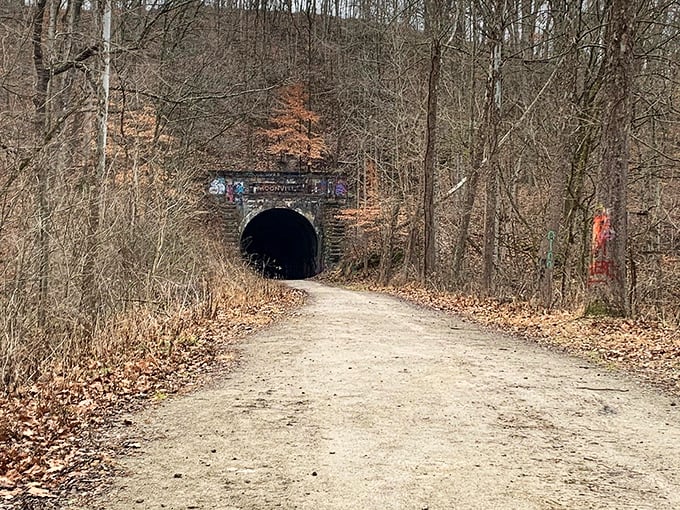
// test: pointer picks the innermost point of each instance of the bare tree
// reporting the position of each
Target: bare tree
(435, 14)
(608, 282)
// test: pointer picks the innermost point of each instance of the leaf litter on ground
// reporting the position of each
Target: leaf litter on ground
(50, 432)
(650, 349)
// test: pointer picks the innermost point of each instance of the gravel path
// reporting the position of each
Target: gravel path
(363, 402)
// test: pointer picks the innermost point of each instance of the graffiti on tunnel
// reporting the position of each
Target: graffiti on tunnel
(295, 244)
(234, 189)
(281, 243)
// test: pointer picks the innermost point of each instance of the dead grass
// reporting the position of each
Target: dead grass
(141, 354)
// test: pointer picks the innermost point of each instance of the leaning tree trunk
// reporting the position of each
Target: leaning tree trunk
(480, 156)
(607, 283)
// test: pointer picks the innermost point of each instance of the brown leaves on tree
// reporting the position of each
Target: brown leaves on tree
(293, 131)
(366, 224)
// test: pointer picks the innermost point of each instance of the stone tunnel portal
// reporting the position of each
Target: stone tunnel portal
(281, 243)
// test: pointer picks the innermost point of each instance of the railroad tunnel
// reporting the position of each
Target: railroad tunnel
(281, 243)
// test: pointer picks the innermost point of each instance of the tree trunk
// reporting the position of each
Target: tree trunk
(461, 238)
(430, 258)
(492, 181)
(387, 248)
(95, 182)
(552, 240)
(491, 214)
(607, 285)
(42, 174)
(482, 147)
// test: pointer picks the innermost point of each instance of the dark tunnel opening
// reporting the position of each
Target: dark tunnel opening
(281, 243)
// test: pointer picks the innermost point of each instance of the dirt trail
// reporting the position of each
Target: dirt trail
(364, 402)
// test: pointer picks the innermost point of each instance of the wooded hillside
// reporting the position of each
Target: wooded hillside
(479, 135)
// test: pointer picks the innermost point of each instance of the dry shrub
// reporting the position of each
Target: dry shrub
(156, 268)
(138, 353)
(227, 290)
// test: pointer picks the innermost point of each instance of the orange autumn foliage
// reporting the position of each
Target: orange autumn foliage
(293, 128)
(367, 215)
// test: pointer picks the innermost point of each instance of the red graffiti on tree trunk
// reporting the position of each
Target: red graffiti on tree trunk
(601, 267)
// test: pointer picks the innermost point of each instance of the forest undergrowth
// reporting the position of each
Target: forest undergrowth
(50, 430)
(645, 347)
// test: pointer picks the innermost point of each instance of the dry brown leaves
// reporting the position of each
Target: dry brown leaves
(651, 349)
(46, 430)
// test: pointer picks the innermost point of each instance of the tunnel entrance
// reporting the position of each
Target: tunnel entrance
(281, 243)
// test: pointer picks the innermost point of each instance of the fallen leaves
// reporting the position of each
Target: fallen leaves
(7, 483)
(35, 490)
(47, 430)
(651, 349)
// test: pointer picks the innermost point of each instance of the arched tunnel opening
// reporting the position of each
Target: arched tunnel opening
(281, 243)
